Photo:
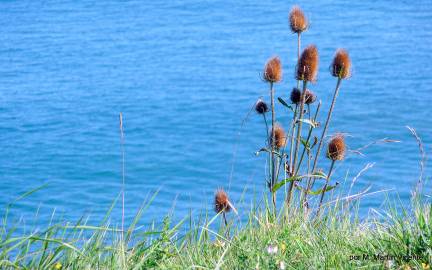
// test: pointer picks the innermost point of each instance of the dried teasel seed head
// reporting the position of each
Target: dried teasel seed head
(310, 97)
(280, 137)
(307, 67)
(341, 66)
(336, 148)
(298, 21)
(273, 70)
(295, 95)
(222, 203)
(261, 107)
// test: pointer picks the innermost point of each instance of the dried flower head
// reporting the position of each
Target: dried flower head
(273, 70)
(298, 21)
(222, 203)
(341, 66)
(310, 97)
(261, 107)
(295, 95)
(280, 137)
(307, 67)
(336, 148)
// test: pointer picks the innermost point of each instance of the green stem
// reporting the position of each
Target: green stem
(307, 140)
(298, 139)
(311, 181)
(273, 141)
(325, 187)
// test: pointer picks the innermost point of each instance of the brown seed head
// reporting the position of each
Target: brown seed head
(307, 67)
(280, 137)
(273, 70)
(341, 66)
(295, 95)
(336, 148)
(310, 97)
(261, 107)
(221, 201)
(298, 21)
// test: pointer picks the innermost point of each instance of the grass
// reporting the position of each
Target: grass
(336, 240)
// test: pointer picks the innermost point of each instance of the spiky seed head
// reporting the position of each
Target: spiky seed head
(280, 137)
(310, 97)
(261, 107)
(222, 202)
(307, 67)
(273, 70)
(341, 66)
(295, 95)
(298, 21)
(336, 148)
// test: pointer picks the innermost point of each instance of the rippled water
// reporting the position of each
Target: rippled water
(185, 75)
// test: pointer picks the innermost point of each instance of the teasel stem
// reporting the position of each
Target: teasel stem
(273, 141)
(325, 187)
(311, 181)
(298, 139)
(267, 129)
(225, 219)
(293, 124)
(308, 138)
(298, 46)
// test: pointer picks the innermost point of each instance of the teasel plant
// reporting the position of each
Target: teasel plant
(335, 152)
(298, 24)
(306, 71)
(272, 74)
(341, 69)
(223, 205)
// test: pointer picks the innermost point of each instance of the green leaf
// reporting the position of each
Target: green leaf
(328, 188)
(309, 122)
(283, 182)
(285, 104)
(262, 150)
(319, 174)
(305, 144)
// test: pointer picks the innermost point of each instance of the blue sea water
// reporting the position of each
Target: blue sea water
(185, 75)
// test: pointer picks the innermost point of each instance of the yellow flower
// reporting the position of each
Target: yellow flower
(283, 247)
(425, 266)
(57, 266)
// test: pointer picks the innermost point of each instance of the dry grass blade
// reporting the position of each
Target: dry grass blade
(422, 160)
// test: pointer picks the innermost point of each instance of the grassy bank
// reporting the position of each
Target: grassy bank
(335, 240)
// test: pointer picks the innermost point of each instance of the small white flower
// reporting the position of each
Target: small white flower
(272, 249)
(281, 265)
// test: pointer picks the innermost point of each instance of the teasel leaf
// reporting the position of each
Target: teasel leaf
(309, 122)
(305, 144)
(314, 142)
(319, 191)
(319, 174)
(285, 104)
(264, 149)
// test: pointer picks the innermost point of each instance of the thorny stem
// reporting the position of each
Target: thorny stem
(292, 139)
(325, 186)
(273, 141)
(308, 138)
(224, 218)
(298, 139)
(311, 181)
